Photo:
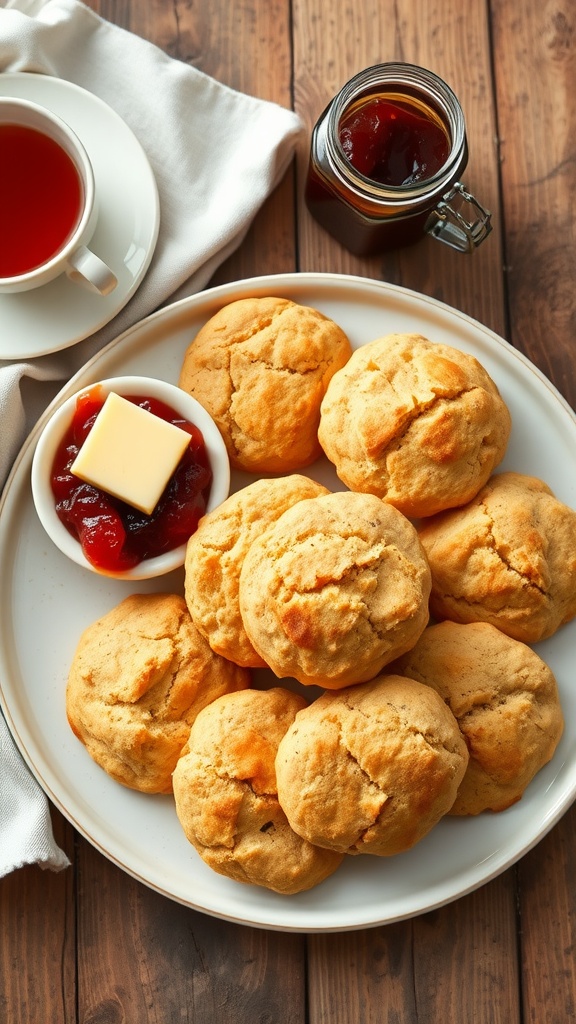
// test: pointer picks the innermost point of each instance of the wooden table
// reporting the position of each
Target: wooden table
(93, 945)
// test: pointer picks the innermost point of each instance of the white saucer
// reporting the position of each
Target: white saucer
(62, 313)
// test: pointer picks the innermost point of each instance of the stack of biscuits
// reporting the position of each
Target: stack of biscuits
(387, 719)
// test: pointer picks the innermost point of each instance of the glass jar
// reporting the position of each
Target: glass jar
(368, 215)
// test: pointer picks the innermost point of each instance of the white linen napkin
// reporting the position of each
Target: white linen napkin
(26, 835)
(247, 145)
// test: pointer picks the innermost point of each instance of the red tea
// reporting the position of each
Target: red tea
(41, 198)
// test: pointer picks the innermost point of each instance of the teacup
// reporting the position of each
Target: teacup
(48, 203)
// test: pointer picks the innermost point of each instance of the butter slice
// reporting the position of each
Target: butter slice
(130, 453)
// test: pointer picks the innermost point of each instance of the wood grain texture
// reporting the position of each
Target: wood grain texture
(94, 946)
(535, 70)
(38, 941)
(455, 964)
(547, 904)
(466, 960)
(142, 957)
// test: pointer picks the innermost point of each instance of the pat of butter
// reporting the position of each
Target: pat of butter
(130, 453)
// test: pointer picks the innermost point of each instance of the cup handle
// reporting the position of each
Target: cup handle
(87, 269)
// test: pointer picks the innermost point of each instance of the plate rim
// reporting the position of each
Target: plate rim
(222, 294)
(310, 277)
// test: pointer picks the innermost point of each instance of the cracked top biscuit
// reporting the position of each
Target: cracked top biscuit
(371, 769)
(508, 558)
(260, 367)
(139, 677)
(505, 700)
(216, 551)
(336, 588)
(415, 422)
(226, 794)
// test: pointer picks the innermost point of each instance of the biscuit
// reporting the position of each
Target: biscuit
(215, 553)
(417, 423)
(371, 769)
(335, 589)
(260, 367)
(508, 557)
(226, 795)
(139, 677)
(505, 700)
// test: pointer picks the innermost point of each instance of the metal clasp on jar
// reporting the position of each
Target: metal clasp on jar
(448, 222)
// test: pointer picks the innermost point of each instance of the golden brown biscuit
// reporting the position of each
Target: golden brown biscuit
(505, 700)
(418, 423)
(508, 557)
(335, 589)
(371, 769)
(260, 367)
(139, 677)
(226, 795)
(215, 554)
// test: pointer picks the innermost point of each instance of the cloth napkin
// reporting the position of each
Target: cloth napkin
(247, 145)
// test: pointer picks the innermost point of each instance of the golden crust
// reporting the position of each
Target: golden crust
(417, 423)
(505, 700)
(508, 558)
(372, 768)
(226, 795)
(139, 677)
(261, 366)
(335, 589)
(216, 552)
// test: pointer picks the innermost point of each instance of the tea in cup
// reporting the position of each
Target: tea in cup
(48, 207)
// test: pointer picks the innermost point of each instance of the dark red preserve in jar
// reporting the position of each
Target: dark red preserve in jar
(385, 163)
(116, 536)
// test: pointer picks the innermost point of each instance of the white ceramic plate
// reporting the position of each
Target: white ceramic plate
(47, 601)
(62, 313)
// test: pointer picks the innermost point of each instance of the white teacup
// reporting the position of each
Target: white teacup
(48, 202)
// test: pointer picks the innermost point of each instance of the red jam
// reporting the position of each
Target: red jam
(115, 536)
(393, 142)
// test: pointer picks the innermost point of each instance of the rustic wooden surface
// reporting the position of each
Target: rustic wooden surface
(92, 945)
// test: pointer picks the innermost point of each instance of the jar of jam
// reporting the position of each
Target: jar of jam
(385, 164)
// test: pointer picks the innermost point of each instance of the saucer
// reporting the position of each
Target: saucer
(62, 313)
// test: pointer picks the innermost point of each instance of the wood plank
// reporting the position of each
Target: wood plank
(38, 941)
(369, 972)
(455, 45)
(467, 965)
(547, 879)
(144, 958)
(455, 964)
(248, 48)
(535, 69)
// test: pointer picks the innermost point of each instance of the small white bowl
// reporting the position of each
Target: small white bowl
(58, 424)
